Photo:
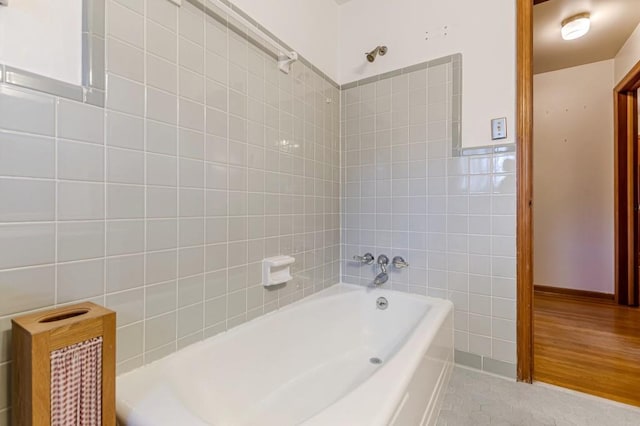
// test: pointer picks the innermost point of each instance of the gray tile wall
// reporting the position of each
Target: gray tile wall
(161, 206)
(408, 192)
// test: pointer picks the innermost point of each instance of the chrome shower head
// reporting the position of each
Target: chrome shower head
(379, 50)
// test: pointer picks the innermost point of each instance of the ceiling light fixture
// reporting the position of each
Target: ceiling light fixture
(576, 26)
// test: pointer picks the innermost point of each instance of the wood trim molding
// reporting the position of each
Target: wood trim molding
(626, 188)
(572, 292)
(631, 81)
(524, 174)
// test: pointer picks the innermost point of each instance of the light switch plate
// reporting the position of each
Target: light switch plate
(499, 128)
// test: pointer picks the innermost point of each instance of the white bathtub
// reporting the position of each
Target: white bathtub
(308, 363)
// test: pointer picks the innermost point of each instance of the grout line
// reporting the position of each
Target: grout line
(145, 179)
(203, 298)
(107, 11)
(178, 169)
(55, 203)
(226, 137)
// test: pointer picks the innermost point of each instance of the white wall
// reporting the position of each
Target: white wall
(483, 31)
(44, 37)
(573, 178)
(309, 27)
(628, 56)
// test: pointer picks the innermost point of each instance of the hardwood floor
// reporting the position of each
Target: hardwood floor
(588, 345)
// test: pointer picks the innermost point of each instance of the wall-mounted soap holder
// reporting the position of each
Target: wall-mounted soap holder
(277, 270)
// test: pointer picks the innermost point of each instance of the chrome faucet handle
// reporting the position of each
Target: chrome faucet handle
(383, 261)
(367, 259)
(399, 262)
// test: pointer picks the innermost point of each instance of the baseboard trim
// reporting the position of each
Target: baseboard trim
(573, 292)
(486, 364)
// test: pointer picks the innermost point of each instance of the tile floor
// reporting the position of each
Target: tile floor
(474, 399)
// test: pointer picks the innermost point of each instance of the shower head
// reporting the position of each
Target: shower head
(379, 50)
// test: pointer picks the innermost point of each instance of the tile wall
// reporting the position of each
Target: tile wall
(207, 159)
(161, 206)
(408, 192)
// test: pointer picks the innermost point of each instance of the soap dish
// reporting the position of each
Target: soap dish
(276, 270)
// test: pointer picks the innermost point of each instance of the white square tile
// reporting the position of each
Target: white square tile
(191, 85)
(125, 237)
(479, 304)
(216, 67)
(27, 200)
(192, 23)
(125, 24)
(129, 306)
(190, 261)
(80, 161)
(191, 202)
(80, 280)
(26, 156)
(191, 232)
(161, 138)
(125, 60)
(125, 95)
(80, 240)
(162, 203)
(162, 170)
(161, 234)
(80, 201)
(129, 339)
(191, 55)
(160, 299)
(27, 111)
(162, 42)
(192, 144)
(162, 74)
(164, 13)
(124, 272)
(26, 245)
(162, 106)
(26, 289)
(125, 201)
(191, 173)
(504, 308)
(192, 115)
(124, 131)
(125, 166)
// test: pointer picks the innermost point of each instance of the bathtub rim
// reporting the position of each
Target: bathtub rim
(428, 325)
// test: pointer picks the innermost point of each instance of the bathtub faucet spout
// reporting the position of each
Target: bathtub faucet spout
(382, 277)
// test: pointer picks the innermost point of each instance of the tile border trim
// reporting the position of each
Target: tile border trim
(456, 81)
(239, 28)
(455, 59)
(490, 149)
(92, 89)
(483, 363)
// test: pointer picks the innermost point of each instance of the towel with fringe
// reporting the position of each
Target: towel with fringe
(76, 388)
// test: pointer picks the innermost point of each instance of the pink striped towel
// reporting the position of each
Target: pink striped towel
(76, 385)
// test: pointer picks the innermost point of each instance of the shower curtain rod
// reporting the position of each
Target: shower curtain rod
(237, 20)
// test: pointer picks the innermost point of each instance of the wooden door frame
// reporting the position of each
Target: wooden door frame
(524, 176)
(625, 103)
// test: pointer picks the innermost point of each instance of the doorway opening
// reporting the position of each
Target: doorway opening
(586, 340)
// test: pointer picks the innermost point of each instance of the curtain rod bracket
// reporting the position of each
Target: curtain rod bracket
(285, 60)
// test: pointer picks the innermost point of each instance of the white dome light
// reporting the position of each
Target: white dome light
(576, 26)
